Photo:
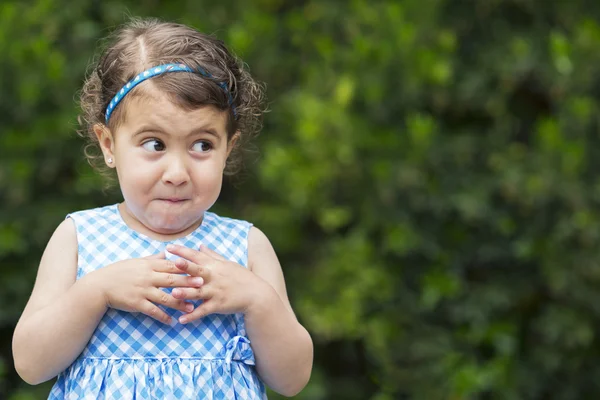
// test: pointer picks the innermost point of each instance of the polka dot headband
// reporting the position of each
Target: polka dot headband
(159, 70)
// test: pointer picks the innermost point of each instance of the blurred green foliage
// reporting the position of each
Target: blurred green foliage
(426, 175)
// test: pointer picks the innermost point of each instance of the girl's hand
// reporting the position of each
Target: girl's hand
(133, 285)
(228, 287)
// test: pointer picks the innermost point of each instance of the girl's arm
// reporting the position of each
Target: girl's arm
(61, 314)
(283, 347)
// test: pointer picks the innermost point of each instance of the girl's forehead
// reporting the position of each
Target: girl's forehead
(159, 108)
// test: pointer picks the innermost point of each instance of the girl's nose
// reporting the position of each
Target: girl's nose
(175, 172)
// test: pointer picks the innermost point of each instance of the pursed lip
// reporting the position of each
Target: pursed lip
(173, 199)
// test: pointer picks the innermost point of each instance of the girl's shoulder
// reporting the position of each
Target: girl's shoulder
(99, 213)
(214, 220)
(227, 236)
(97, 221)
(231, 230)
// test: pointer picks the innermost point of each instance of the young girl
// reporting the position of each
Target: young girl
(156, 297)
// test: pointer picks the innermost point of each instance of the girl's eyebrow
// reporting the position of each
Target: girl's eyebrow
(147, 128)
(153, 128)
(204, 129)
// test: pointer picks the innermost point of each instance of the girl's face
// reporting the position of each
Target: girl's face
(169, 163)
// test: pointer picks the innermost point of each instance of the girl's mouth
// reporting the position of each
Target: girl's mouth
(174, 200)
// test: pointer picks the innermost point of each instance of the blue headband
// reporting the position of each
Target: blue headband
(158, 70)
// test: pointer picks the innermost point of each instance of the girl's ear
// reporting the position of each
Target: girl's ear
(231, 142)
(107, 143)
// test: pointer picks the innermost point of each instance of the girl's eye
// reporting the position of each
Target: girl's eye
(153, 145)
(202, 146)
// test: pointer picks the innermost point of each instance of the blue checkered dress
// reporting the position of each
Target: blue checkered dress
(132, 356)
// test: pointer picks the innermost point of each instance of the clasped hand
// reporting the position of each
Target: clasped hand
(134, 285)
(227, 287)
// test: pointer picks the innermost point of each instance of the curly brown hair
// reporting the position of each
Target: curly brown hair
(144, 43)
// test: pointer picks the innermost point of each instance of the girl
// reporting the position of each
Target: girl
(156, 297)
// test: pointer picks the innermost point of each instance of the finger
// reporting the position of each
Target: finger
(189, 254)
(177, 280)
(157, 296)
(153, 311)
(159, 256)
(193, 269)
(212, 253)
(202, 310)
(202, 293)
(166, 266)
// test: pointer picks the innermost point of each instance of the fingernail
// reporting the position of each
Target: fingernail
(189, 307)
(170, 247)
(176, 292)
(183, 320)
(197, 281)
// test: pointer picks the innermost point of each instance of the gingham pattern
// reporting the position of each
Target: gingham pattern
(131, 355)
